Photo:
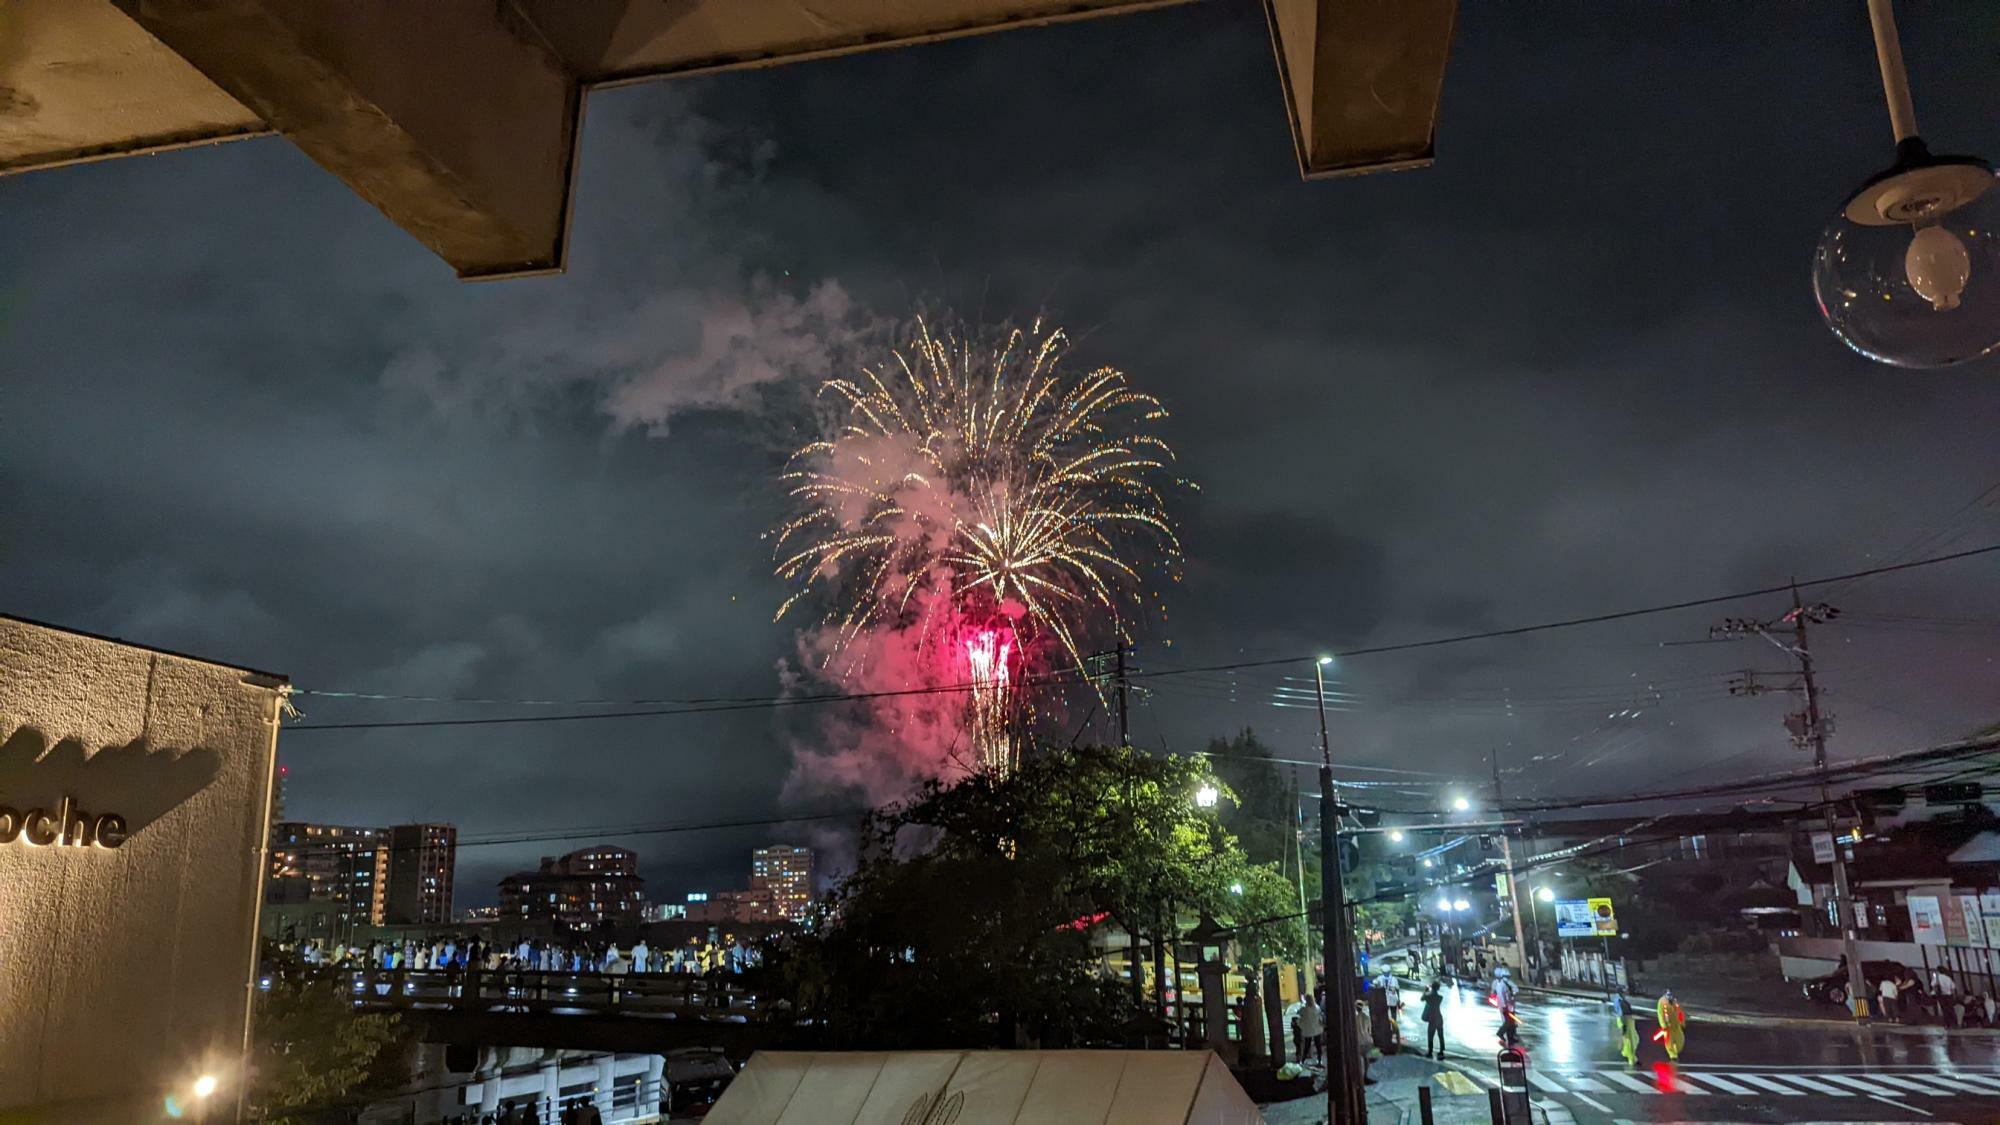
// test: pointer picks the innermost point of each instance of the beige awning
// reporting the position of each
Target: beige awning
(985, 1088)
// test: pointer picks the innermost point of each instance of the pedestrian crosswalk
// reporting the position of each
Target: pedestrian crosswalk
(1761, 1084)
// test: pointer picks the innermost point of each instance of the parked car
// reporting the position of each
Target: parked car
(1832, 988)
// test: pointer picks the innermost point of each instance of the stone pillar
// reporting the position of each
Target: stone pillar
(551, 1107)
(1251, 1018)
(489, 1091)
(653, 1095)
(607, 1074)
(1214, 1005)
(1274, 1014)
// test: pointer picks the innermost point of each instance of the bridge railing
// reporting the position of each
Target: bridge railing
(549, 992)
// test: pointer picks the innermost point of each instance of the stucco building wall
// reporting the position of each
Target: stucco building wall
(126, 972)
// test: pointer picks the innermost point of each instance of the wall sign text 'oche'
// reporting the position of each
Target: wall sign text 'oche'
(67, 826)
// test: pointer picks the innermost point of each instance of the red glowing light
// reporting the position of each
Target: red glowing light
(1085, 922)
(1663, 1073)
(987, 650)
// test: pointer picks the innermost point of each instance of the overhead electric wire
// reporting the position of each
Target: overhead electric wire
(1854, 769)
(1952, 529)
(726, 704)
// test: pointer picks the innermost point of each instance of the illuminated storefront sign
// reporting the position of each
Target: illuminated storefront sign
(65, 826)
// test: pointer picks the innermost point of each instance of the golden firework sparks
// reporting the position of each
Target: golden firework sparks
(970, 481)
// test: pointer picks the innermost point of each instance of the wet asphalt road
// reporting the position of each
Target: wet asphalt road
(1728, 1072)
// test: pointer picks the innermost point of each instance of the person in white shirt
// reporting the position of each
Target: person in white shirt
(1392, 995)
(1312, 1028)
(1946, 990)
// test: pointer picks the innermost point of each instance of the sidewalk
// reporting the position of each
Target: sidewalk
(1458, 1097)
(1780, 1007)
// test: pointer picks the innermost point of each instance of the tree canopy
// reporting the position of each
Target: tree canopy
(968, 921)
(314, 1057)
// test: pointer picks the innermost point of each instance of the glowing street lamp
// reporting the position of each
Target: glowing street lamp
(1908, 269)
(1444, 905)
(1461, 905)
(1545, 894)
(204, 1086)
(1461, 804)
(1236, 888)
(1207, 796)
(1395, 835)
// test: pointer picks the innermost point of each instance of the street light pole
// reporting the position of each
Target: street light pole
(1345, 1101)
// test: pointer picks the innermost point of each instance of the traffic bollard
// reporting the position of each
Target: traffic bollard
(1512, 1065)
(1424, 1103)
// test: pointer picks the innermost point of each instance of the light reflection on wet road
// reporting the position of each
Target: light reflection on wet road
(1729, 1072)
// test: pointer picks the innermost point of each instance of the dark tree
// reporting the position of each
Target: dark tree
(969, 919)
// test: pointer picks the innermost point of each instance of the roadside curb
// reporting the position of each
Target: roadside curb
(1758, 1019)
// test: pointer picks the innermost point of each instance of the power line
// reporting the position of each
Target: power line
(727, 704)
(1902, 762)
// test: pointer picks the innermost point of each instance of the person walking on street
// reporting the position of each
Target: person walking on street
(1392, 995)
(1945, 989)
(1434, 1021)
(1503, 990)
(1628, 1028)
(1510, 1028)
(1885, 997)
(1673, 1024)
(1361, 1036)
(1312, 1025)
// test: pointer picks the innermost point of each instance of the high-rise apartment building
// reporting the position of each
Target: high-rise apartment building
(422, 859)
(785, 873)
(585, 890)
(343, 866)
(365, 876)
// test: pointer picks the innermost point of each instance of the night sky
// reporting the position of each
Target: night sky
(1573, 368)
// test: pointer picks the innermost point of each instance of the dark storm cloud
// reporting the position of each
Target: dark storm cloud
(1573, 367)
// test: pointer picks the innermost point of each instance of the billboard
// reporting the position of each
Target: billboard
(1926, 919)
(1573, 919)
(1603, 917)
(1976, 933)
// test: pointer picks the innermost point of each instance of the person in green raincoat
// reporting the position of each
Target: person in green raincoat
(1628, 1028)
(1673, 1024)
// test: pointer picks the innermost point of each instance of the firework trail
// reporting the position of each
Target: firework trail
(979, 499)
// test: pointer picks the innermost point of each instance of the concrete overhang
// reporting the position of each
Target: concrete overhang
(1362, 79)
(79, 81)
(459, 119)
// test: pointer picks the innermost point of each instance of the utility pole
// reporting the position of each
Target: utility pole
(1124, 710)
(1299, 869)
(1810, 728)
(1507, 858)
(1346, 1101)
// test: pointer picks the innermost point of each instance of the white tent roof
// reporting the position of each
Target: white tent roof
(985, 1088)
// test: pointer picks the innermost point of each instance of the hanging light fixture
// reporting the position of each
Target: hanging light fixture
(1908, 269)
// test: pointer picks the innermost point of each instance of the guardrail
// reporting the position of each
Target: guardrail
(657, 995)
